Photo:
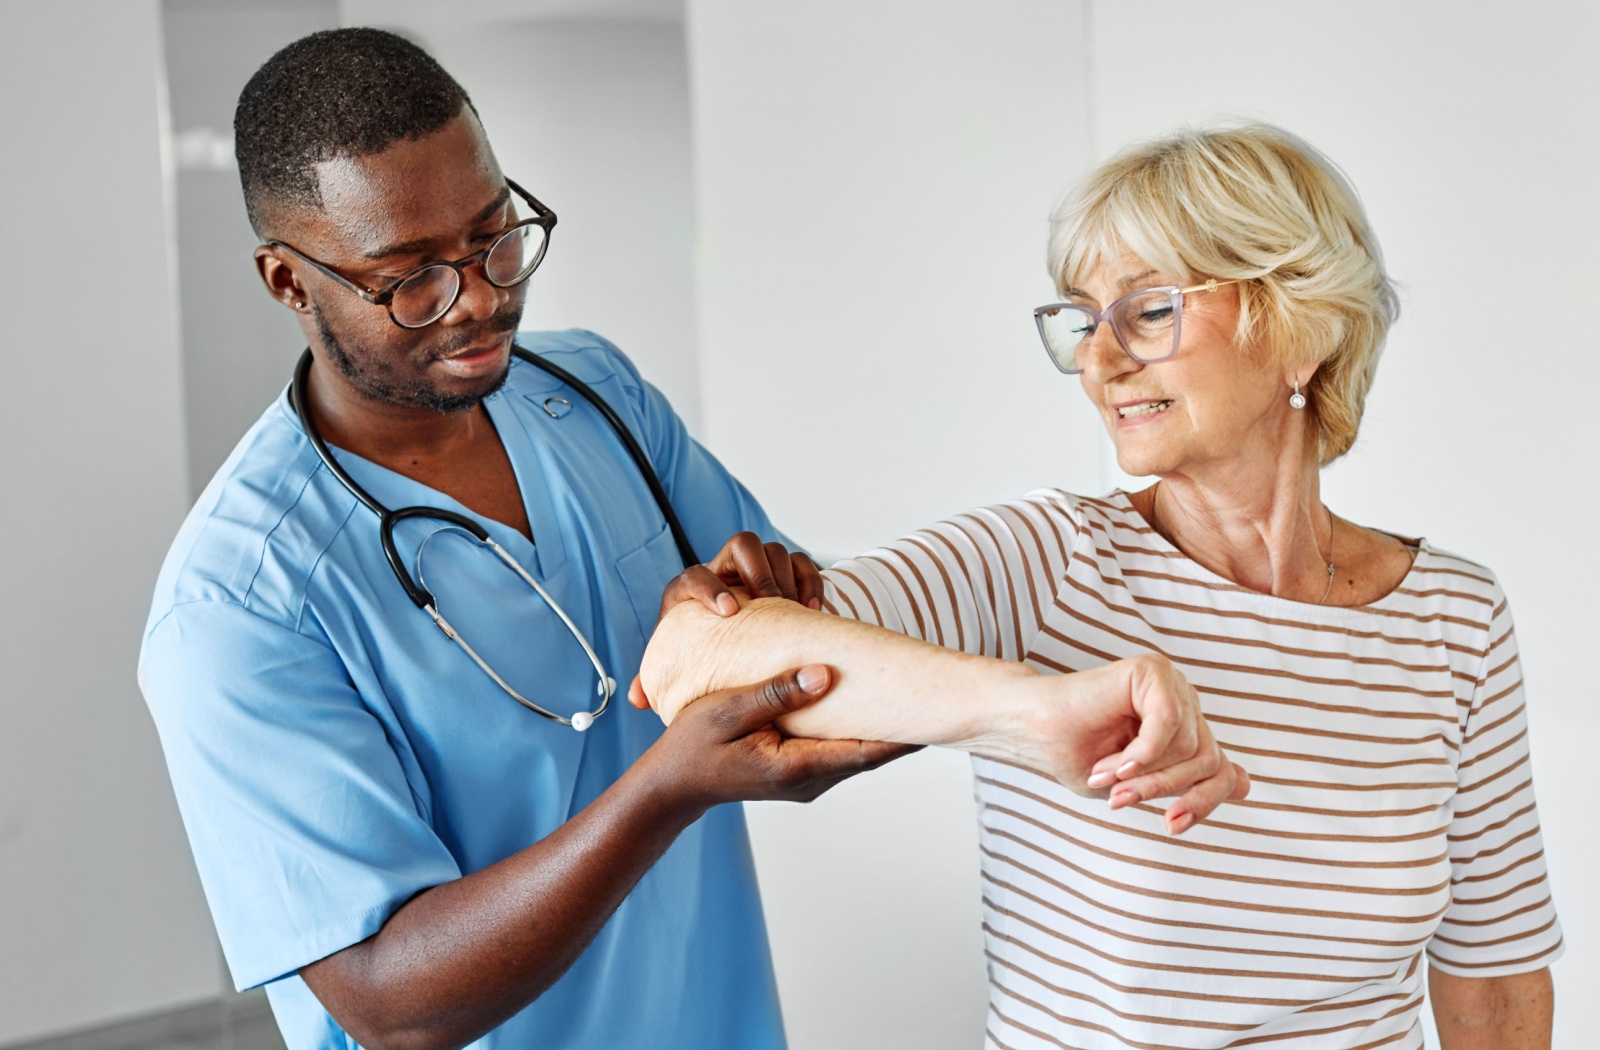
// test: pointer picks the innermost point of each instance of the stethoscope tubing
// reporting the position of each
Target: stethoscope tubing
(607, 685)
(635, 453)
(416, 588)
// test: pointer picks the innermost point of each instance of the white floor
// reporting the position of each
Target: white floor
(242, 1022)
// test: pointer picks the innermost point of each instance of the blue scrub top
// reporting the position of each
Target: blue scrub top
(333, 754)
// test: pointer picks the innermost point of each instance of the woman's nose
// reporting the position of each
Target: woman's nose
(1103, 358)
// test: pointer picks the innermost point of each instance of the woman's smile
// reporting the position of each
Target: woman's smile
(1140, 413)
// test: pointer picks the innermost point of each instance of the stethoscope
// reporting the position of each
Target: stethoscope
(416, 589)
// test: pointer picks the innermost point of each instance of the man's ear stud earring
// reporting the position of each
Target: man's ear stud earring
(299, 304)
(1297, 399)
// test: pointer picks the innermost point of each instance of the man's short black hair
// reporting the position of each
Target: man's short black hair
(337, 93)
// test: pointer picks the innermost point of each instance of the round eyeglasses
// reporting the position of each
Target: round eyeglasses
(427, 293)
(1147, 324)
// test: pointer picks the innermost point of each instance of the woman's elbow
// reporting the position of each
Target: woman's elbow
(1504, 1013)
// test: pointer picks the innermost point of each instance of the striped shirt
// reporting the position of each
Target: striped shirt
(1391, 812)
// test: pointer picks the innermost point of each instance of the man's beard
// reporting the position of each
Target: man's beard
(375, 376)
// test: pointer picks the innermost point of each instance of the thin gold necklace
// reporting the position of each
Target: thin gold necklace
(1331, 569)
(1155, 523)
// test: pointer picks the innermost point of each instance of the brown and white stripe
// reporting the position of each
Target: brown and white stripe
(1392, 812)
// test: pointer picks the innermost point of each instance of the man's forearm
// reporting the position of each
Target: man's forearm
(459, 959)
(462, 957)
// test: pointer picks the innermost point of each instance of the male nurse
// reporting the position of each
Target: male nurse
(402, 854)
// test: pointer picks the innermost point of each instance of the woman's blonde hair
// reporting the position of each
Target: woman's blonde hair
(1253, 203)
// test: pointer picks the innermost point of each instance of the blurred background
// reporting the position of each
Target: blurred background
(819, 227)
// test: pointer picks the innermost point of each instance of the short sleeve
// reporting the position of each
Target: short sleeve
(980, 582)
(304, 829)
(1501, 919)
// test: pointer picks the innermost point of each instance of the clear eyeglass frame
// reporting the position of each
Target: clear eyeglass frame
(543, 219)
(1065, 357)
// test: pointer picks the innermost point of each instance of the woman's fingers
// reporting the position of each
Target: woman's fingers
(636, 695)
(1213, 780)
(1103, 773)
(1231, 784)
(1169, 720)
(1202, 784)
(1173, 752)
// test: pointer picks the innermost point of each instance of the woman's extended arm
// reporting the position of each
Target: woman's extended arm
(1493, 1013)
(1137, 721)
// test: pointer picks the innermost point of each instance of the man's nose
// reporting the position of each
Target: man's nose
(479, 300)
(1103, 358)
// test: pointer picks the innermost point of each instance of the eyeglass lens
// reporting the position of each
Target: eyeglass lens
(425, 296)
(1144, 325)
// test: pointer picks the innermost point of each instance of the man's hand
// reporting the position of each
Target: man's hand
(765, 570)
(725, 746)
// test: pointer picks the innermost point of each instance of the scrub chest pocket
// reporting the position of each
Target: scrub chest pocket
(646, 573)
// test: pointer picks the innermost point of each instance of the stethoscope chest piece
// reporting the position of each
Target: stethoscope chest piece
(416, 588)
(604, 687)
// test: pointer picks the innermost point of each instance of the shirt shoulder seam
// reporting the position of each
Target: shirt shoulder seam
(241, 606)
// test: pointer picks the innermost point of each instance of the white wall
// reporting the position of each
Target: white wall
(101, 916)
(873, 182)
(239, 344)
(591, 115)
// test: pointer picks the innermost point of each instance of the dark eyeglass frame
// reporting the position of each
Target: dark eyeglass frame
(1107, 317)
(543, 217)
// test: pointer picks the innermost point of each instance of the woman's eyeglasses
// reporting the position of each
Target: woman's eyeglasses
(1147, 324)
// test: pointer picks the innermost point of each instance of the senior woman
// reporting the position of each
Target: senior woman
(1223, 303)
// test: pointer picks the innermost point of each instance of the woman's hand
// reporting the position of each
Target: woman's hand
(1132, 731)
(760, 570)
